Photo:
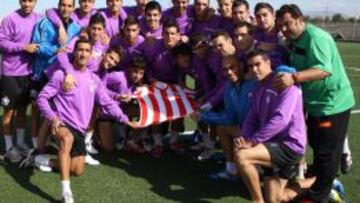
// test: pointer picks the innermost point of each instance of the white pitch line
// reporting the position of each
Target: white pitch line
(355, 111)
(352, 68)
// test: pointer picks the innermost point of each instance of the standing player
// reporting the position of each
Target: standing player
(130, 40)
(115, 16)
(225, 10)
(328, 95)
(16, 32)
(162, 68)
(206, 22)
(71, 114)
(151, 25)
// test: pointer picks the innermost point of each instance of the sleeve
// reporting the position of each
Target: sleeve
(6, 33)
(53, 16)
(50, 90)
(41, 37)
(109, 106)
(251, 122)
(280, 116)
(64, 62)
(319, 54)
(225, 117)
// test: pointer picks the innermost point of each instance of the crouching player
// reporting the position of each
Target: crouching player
(273, 135)
(71, 114)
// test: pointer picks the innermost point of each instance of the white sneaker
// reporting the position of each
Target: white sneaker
(39, 163)
(67, 198)
(206, 154)
(91, 149)
(13, 155)
(91, 161)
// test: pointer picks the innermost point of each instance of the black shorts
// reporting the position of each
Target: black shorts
(37, 85)
(78, 148)
(284, 161)
(15, 91)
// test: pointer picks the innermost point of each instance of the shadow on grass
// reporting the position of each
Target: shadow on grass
(177, 178)
(22, 178)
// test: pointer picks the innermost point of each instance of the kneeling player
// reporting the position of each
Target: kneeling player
(273, 134)
(71, 115)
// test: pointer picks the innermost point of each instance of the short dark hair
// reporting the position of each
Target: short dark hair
(197, 38)
(131, 20)
(153, 5)
(219, 33)
(249, 26)
(138, 62)
(293, 9)
(97, 19)
(170, 23)
(238, 3)
(118, 50)
(82, 41)
(181, 49)
(258, 52)
(262, 5)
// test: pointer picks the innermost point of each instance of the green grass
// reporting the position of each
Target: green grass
(125, 177)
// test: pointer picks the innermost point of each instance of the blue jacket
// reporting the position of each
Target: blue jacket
(46, 35)
(236, 104)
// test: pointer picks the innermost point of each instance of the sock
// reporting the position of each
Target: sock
(157, 139)
(65, 187)
(302, 170)
(88, 136)
(8, 142)
(35, 142)
(207, 141)
(42, 160)
(231, 167)
(346, 148)
(174, 137)
(20, 136)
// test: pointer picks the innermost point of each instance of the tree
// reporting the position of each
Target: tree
(338, 18)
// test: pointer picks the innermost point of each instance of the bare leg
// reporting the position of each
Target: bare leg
(246, 159)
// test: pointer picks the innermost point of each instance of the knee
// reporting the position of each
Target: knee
(66, 142)
(241, 158)
(78, 171)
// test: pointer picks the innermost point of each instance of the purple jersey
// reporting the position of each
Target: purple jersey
(113, 23)
(185, 22)
(74, 108)
(276, 117)
(227, 25)
(115, 82)
(207, 27)
(200, 72)
(130, 50)
(215, 96)
(162, 63)
(15, 32)
(134, 11)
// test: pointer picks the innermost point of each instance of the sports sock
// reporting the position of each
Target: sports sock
(20, 136)
(65, 187)
(35, 142)
(8, 142)
(88, 136)
(346, 148)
